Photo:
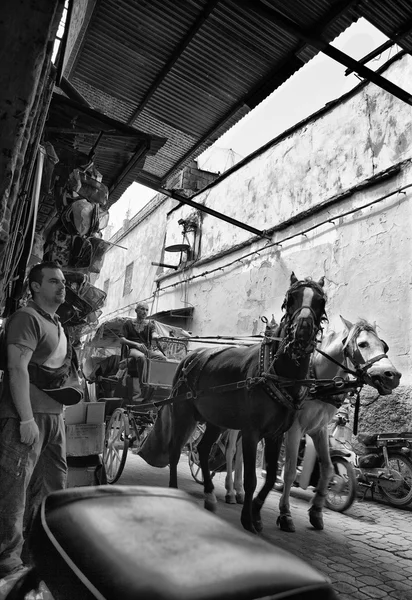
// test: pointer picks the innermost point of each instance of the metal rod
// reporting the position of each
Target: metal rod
(214, 213)
(156, 264)
(317, 42)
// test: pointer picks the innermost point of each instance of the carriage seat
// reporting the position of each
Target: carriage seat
(129, 542)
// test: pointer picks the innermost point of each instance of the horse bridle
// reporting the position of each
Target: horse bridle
(361, 367)
(290, 343)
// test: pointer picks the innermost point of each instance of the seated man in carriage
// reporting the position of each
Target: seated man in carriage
(140, 336)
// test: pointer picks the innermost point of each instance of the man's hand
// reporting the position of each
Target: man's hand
(29, 432)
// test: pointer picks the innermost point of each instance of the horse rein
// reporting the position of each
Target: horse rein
(360, 368)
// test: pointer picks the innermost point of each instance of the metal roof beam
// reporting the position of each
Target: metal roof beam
(138, 155)
(214, 213)
(260, 92)
(289, 25)
(394, 39)
(207, 210)
(203, 16)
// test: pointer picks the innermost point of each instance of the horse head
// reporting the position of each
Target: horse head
(304, 307)
(367, 352)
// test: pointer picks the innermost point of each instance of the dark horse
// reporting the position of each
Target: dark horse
(245, 388)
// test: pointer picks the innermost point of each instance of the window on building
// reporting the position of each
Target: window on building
(127, 288)
(106, 286)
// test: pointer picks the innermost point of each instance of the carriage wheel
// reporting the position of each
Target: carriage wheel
(116, 444)
(194, 466)
(193, 455)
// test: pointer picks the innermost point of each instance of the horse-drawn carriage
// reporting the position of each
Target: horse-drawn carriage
(265, 389)
(105, 367)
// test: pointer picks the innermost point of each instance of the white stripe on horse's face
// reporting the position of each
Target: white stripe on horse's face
(308, 294)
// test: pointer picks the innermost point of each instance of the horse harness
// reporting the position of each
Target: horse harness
(273, 385)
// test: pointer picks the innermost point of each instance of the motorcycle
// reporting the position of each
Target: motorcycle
(342, 489)
(385, 466)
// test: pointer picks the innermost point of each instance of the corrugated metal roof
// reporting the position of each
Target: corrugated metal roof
(189, 70)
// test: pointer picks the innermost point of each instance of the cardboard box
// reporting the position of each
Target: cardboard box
(81, 476)
(83, 439)
(75, 414)
(85, 470)
(95, 412)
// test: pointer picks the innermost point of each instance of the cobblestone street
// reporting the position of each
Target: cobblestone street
(366, 552)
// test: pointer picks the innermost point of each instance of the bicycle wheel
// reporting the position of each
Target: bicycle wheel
(116, 444)
(342, 488)
(398, 493)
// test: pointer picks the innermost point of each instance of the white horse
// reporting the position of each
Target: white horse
(357, 347)
(234, 468)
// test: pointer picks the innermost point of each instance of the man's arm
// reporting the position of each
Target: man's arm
(155, 337)
(126, 341)
(137, 345)
(18, 358)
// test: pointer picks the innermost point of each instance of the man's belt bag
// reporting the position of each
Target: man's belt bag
(54, 382)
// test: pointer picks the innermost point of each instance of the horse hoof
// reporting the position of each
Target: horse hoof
(230, 499)
(316, 518)
(211, 506)
(285, 523)
(258, 525)
(249, 526)
(240, 498)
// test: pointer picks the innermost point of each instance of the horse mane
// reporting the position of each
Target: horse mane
(360, 325)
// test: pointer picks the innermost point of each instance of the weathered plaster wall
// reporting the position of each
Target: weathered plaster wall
(364, 135)
(365, 256)
(144, 243)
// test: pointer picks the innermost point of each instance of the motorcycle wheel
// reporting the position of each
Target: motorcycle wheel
(342, 488)
(401, 469)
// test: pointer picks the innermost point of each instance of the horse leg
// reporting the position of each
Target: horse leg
(249, 445)
(321, 441)
(272, 450)
(204, 446)
(292, 440)
(230, 450)
(238, 480)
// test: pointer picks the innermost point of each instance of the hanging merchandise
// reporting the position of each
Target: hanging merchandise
(80, 217)
(103, 219)
(75, 280)
(87, 184)
(87, 254)
(50, 162)
(58, 247)
(74, 310)
(93, 295)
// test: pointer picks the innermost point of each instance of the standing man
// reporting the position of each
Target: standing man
(32, 435)
(139, 336)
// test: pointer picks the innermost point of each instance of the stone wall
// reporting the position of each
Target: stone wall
(27, 30)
